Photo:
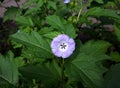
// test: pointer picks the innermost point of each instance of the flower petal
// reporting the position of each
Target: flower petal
(71, 41)
(54, 44)
(58, 54)
(63, 37)
(66, 54)
(62, 46)
(71, 47)
(66, 1)
(54, 50)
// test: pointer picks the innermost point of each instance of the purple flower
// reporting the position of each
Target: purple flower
(62, 46)
(66, 1)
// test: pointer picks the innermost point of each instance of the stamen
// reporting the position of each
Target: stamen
(63, 46)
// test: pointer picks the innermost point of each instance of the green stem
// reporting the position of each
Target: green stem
(81, 7)
(62, 72)
(79, 14)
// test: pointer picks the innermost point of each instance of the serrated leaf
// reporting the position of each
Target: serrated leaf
(35, 43)
(45, 30)
(11, 13)
(70, 30)
(49, 73)
(112, 79)
(52, 4)
(52, 34)
(35, 8)
(97, 12)
(8, 69)
(86, 67)
(57, 23)
(95, 47)
(24, 21)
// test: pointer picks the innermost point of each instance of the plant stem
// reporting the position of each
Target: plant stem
(81, 7)
(79, 14)
(62, 72)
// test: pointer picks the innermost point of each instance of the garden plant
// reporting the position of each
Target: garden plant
(60, 44)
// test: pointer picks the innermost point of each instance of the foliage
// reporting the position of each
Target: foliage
(49, 73)
(26, 58)
(85, 66)
(112, 78)
(8, 69)
(35, 42)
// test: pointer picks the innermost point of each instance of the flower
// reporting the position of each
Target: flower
(62, 46)
(66, 1)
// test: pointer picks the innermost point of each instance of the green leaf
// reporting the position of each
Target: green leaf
(52, 34)
(86, 67)
(70, 30)
(52, 4)
(95, 47)
(99, 1)
(115, 56)
(28, 3)
(8, 69)
(45, 30)
(110, 3)
(35, 43)
(97, 12)
(112, 79)
(35, 8)
(57, 23)
(39, 3)
(11, 13)
(117, 31)
(24, 21)
(48, 73)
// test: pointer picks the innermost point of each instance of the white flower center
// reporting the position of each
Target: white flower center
(63, 46)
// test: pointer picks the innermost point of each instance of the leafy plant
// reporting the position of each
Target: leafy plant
(8, 69)
(60, 45)
(86, 67)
